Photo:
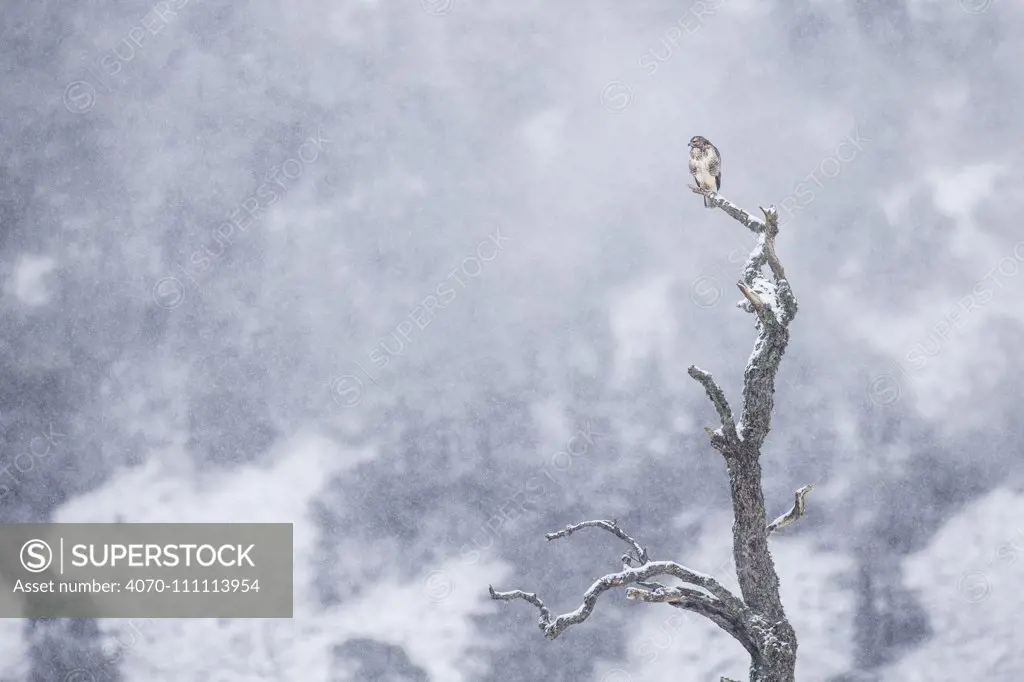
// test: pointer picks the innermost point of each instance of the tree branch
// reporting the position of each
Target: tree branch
(794, 514)
(777, 309)
(531, 597)
(554, 627)
(700, 603)
(729, 625)
(718, 399)
(765, 252)
(640, 554)
(665, 595)
(640, 575)
(717, 200)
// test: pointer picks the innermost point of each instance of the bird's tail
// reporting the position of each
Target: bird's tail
(707, 202)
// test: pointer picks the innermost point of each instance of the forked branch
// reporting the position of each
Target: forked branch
(722, 598)
(756, 620)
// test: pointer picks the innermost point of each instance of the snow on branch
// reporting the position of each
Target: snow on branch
(775, 306)
(639, 553)
(693, 600)
(717, 200)
(718, 399)
(725, 604)
(794, 514)
(778, 293)
(776, 310)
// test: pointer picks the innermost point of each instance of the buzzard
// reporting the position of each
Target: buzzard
(705, 165)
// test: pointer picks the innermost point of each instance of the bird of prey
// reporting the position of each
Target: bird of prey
(705, 165)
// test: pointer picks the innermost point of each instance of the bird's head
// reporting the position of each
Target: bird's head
(697, 141)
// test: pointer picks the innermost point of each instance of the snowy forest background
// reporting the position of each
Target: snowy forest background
(242, 391)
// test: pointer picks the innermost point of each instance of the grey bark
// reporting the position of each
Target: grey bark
(756, 618)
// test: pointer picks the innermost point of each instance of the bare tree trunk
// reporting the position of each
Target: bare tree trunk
(755, 568)
(756, 619)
